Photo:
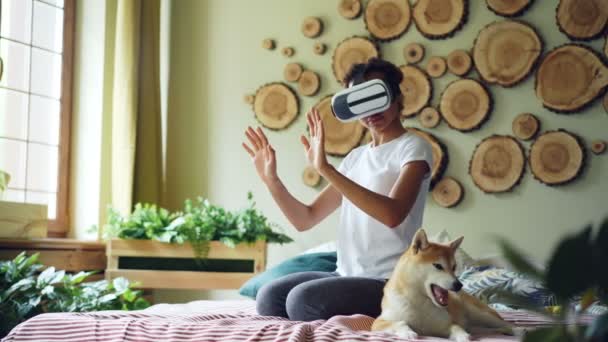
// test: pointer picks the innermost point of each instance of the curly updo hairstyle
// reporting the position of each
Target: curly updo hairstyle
(392, 74)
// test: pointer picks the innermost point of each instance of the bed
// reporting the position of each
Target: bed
(232, 321)
(237, 320)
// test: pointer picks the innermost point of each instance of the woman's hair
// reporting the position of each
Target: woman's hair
(392, 75)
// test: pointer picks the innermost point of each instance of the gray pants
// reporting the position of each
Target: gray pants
(308, 296)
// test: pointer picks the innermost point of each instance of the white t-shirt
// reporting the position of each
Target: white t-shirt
(366, 247)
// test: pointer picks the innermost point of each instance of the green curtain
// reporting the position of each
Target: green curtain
(136, 124)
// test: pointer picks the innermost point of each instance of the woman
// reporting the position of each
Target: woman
(381, 190)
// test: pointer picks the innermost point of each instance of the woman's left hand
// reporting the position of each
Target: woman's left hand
(315, 148)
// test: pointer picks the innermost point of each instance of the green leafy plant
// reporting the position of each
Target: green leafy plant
(4, 179)
(250, 225)
(576, 272)
(145, 222)
(24, 292)
(198, 223)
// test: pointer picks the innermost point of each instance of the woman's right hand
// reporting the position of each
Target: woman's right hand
(262, 154)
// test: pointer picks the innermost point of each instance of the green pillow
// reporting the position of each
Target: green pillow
(323, 262)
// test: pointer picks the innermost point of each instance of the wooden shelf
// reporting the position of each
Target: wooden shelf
(66, 254)
(52, 243)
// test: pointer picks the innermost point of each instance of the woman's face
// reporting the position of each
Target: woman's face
(379, 122)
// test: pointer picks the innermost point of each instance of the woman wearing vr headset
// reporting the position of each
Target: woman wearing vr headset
(380, 189)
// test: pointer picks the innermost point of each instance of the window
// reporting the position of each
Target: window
(36, 38)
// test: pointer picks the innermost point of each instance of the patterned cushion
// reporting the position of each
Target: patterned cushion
(595, 309)
(488, 282)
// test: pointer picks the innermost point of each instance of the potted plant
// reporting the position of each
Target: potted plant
(26, 292)
(576, 275)
(148, 245)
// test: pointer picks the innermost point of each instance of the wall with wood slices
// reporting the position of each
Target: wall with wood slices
(207, 117)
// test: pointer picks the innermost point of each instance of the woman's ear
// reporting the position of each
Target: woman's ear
(420, 241)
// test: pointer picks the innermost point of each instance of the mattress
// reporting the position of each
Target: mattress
(232, 321)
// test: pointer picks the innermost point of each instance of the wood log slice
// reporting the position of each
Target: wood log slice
(248, 98)
(387, 19)
(465, 105)
(340, 137)
(436, 67)
(459, 62)
(276, 105)
(429, 117)
(319, 48)
(349, 9)
(288, 51)
(525, 126)
(437, 19)
(292, 72)
(416, 88)
(598, 146)
(268, 44)
(505, 52)
(569, 78)
(311, 177)
(440, 154)
(557, 157)
(497, 164)
(312, 27)
(413, 53)
(509, 8)
(448, 192)
(309, 83)
(582, 19)
(352, 51)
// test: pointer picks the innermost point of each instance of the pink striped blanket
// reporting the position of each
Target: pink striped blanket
(232, 321)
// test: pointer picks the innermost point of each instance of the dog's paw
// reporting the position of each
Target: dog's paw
(461, 337)
(458, 334)
(406, 333)
(401, 329)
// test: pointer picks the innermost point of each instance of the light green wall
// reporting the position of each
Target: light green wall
(216, 58)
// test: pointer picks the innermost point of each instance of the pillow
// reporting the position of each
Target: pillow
(463, 259)
(497, 260)
(487, 283)
(323, 262)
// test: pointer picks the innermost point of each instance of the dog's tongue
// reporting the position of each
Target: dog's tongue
(441, 294)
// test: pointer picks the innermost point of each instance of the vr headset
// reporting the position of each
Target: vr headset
(362, 100)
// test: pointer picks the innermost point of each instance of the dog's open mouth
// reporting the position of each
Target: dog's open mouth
(440, 294)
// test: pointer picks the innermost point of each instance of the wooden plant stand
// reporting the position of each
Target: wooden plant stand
(119, 251)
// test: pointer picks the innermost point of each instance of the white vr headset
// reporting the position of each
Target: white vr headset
(362, 100)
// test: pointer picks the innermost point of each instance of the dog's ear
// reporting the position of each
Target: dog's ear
(456, 243)
(420, 242)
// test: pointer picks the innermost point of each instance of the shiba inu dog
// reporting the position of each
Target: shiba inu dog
(423, 297)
